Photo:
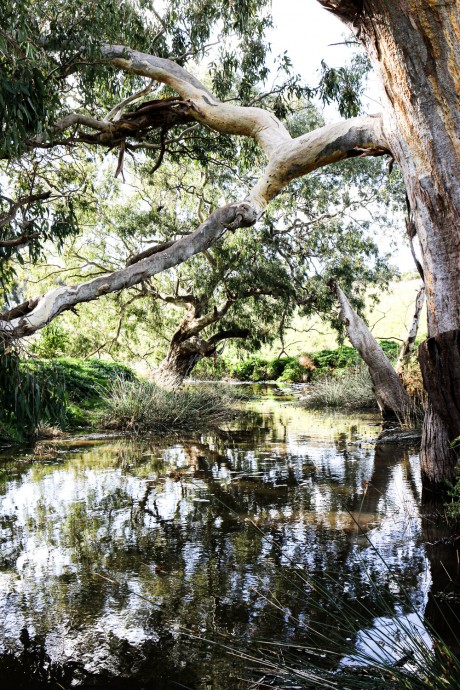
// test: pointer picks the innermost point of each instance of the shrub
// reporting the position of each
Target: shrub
(210, 368)
(52, 342)
(294, 372)
(343, 356)
(411, 376)
(28, 397)
(140, 406)
(244, 371)
(351, 389)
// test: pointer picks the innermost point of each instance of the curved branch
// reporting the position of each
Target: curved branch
(62, 298)
(207, 109)
(288, 159)
(357, 136)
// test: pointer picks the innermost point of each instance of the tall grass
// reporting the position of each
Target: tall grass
(140, 406)
(351, 390)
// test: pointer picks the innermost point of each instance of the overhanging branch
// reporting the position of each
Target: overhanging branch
(287, 159)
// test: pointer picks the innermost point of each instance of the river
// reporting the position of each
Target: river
(162, 562)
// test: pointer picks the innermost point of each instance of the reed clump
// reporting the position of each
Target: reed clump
(350, 389)
(142, 406)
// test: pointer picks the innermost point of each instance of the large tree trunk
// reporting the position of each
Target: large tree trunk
(187, 347)
(391, 396)
(415, 47)
(177, 365)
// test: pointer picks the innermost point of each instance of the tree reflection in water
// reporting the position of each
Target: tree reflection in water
(112, 549)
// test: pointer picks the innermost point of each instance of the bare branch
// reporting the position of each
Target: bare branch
(116, 111)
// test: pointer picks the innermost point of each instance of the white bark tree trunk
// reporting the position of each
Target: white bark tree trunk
(391, 396)
(415, 48)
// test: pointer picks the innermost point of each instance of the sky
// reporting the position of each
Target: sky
(310, 33)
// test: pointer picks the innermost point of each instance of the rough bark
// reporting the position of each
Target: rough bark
(178, 363)
(186, 350)
(409, 342)
(440, 361)
(187, 345)
(415, 47)
(391, 396)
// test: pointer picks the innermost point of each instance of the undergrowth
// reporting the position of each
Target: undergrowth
(351, 389)
(38, 394)
(140, 406)
(303, 368)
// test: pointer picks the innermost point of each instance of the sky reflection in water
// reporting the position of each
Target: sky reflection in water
(110, 548)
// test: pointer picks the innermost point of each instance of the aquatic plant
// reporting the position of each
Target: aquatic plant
(351, 389)
(139, 406)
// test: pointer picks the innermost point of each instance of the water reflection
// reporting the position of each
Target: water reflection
(112, 549)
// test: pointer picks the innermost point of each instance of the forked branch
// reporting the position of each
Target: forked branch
(288, 159)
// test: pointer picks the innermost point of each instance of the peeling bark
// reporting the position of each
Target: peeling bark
(392, 398)
(415, 47)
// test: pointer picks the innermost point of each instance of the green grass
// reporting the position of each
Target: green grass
(84, 379)
(349, 390)
(141, 406)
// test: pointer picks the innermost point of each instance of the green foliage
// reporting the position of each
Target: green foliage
(342, 356)
(453, 507)
(295, 370)
(142, 406)
(52, 342)
(286, 369)
(58, 392)
(83, 378)
(28, 397)
(344, 85)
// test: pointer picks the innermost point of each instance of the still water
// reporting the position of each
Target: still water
(156, 563)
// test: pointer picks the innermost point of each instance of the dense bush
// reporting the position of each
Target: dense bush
(29, 397)
(303, 367)
(349, 389)
(37, 392)
(140, 406)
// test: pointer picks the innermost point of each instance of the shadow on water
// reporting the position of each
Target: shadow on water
(118, 554)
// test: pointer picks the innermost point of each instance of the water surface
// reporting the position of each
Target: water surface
(119, 556)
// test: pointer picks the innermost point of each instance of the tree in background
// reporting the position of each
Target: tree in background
(415, 50)
(248, 287)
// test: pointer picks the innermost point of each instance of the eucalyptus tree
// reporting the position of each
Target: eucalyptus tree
(247, 287)
(415, 48)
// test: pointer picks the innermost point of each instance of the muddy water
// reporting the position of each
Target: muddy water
(120, 557)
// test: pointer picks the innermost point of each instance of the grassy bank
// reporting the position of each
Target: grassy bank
(67, 393)
(62, 393)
